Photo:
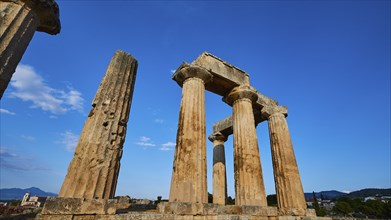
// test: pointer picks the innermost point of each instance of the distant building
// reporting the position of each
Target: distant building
(36, 201)
(378, 197)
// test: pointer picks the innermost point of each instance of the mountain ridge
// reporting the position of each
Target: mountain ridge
(362, 193)
(18, 193)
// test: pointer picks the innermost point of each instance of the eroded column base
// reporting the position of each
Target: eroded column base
(296, 212)
(81, 206)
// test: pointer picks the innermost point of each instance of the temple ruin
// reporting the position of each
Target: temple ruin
(250, 107)
(89, 187)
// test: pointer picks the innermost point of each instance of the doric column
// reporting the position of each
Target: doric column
(219, 171)
(188, 182)
(19, 19)
(249, 186)
(94, 169)
(289, 190)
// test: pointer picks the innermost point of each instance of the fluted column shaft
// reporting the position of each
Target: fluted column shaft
(18, 22)
(289, 190)
(219, 169)
(189, 183)
(249, 186)
(94, 169)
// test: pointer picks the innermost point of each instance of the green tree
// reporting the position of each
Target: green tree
(271, 200)
(343, 207)
(375, 207)
(319, 211)
(210, 198)
(387, 209)
(230, 201)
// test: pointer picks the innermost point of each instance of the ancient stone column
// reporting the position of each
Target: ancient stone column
(19, 19)
(219, 171)
(289, 190)
(249, 186)
(188, 182)
(94, 169)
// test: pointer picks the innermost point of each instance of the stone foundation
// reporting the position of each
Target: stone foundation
(80, 206)
(121, 209)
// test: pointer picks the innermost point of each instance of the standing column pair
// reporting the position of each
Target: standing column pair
(189, 183)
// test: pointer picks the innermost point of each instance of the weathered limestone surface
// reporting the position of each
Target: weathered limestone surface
(169, 216)
(225, 76)
(81, 206)
(93, 171)
(225, 125)
(188, 182)
(289, 190)
(183, 208)
(219, 169)
(249, 186)
(19, 19)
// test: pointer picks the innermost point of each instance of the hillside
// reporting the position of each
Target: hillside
(369, 192)
(17, 193)
(330, 194)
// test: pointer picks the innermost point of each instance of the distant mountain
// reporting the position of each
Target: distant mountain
(369, 192)
(331, 194)
(17, 193)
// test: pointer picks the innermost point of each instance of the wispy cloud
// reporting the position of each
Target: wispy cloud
(168, 146)
(172, 71)
(29, 86)
(5, 111)
(145, 142)
(159, 121)
(27, 137)
(12, 161)
(69, 140)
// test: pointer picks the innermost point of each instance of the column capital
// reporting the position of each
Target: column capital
(268, 111)
(186, 71)
(241, 92)
(217, 136)
(48, 13)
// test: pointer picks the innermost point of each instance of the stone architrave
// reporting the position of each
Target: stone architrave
(249, 186)
(188, 183)
(219, 169)
(94, 169)
(19, 19)
(289, 190)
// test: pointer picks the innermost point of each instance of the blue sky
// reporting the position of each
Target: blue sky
(328, 61)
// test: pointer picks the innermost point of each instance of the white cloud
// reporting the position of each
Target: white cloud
(29, 86)
(27, 137)
(159, 121)
(74, 99)
(5, 111)
(69, 140)
(173, 71)
(145, 142)
(168, 146)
